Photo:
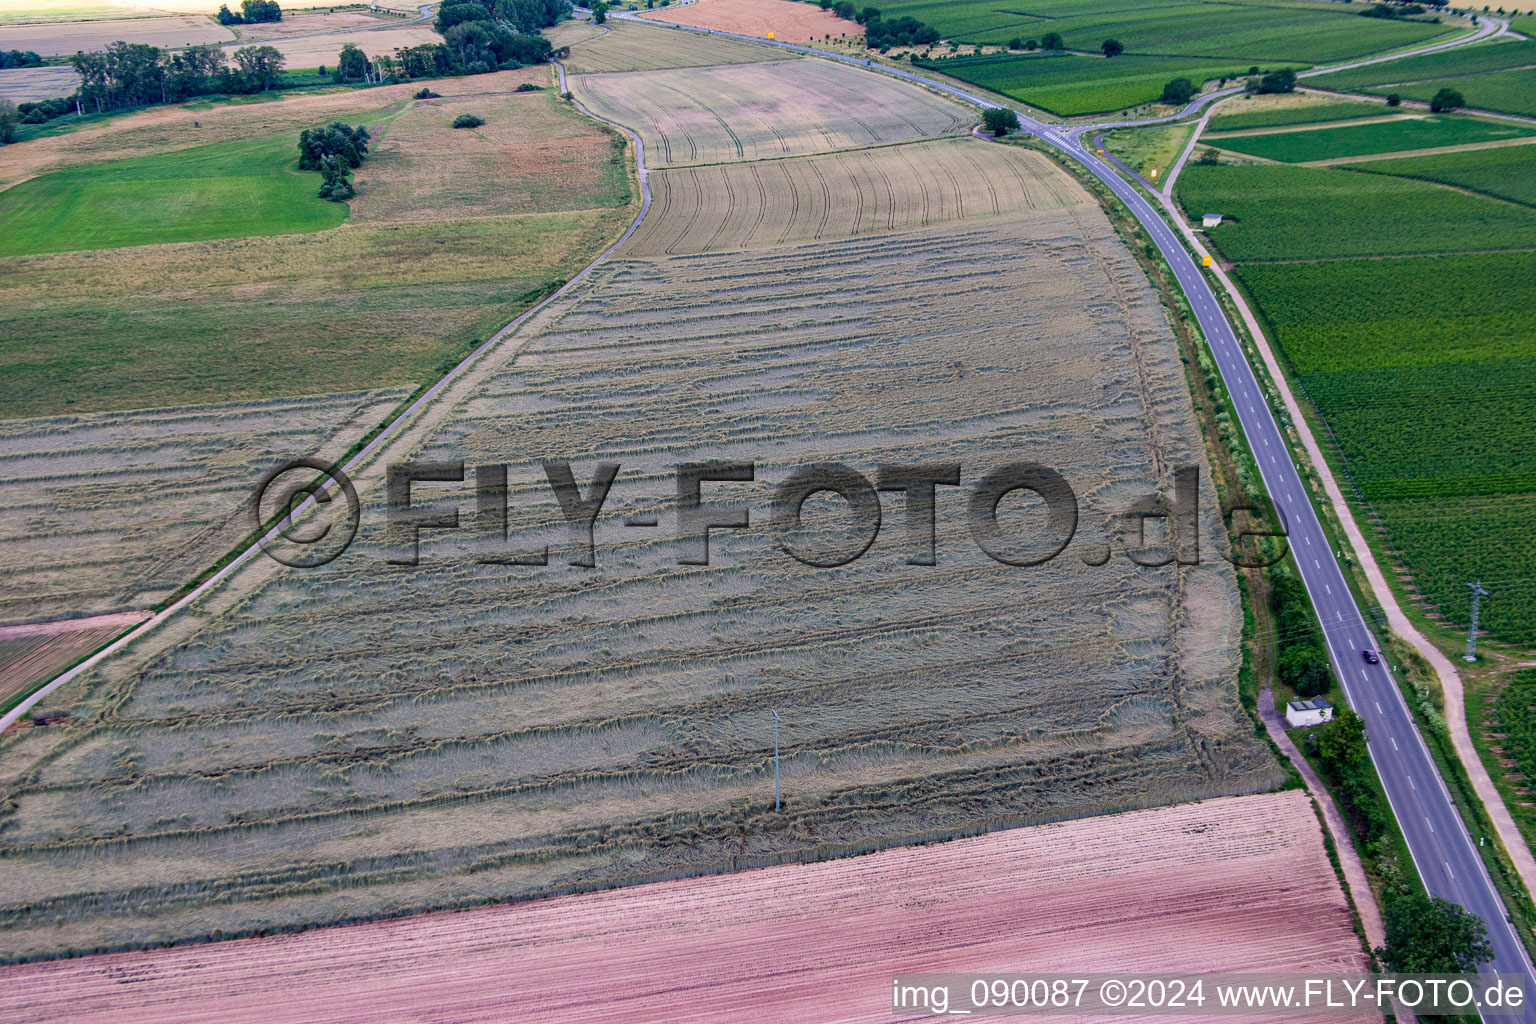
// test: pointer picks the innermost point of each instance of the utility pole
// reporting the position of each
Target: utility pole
(775, 715)
(1478, 593)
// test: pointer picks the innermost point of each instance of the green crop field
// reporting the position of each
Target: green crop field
(1509, 92)
(1304, 33)
(1281, 116)
(226, 190)
(1380, 137)
(1277, 212)
(1070, 84)
(1508, 172)
(1469, 60)
(1424, 365)
(1515, 716)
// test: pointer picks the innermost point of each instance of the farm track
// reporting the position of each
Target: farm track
(320, 745)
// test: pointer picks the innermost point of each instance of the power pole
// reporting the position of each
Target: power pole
(1478, 593)
(775, 715)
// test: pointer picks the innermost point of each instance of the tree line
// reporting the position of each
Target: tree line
(880, 34)
(252, 12)
(137, 74)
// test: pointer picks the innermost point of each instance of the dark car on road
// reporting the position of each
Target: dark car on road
(1371, 656)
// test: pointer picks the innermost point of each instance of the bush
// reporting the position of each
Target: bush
(1304, 668)
(528, 87)
(20, 59)
(1394, 100)
(1015, 43)
(1052, 41)
(1179, 91)
(1446, 99)
(1000, 121)
(425, 94)
(10, 118)
(1430, 935)
(1111, 47)
(1278, 82)
(337, 142)
(468, 121)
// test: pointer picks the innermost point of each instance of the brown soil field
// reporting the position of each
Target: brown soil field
(758, 111)
(67, 37)
(633, 46)
(1240, 884)
(782, 20)
(307, 24)
(38, 651)
(313, 51)
(24, 85)
(893, 188)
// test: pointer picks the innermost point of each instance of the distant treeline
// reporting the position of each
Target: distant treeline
(19, 59)
(252, 12)
(477, 37)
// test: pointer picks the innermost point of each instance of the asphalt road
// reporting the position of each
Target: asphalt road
(1444, 853)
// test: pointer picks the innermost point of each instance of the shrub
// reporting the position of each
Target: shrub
(1446, 99)
(1000, 120)
(1015, 43)
(1052, 41)
(1111, 47)
(1179, 91)
(468, 121)
(425, 94)
(1394, 100)
(1278, 81)
(528, 87)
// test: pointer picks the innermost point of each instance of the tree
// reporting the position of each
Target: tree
(1209, 157)
(844, 9)
(1000, 121)
(867, 15)
(20, 59)
(1430, 935)
(468, 121)
(337, 180)
(1015, 43)
(1111, 47)
(259, 67)
(450, 15)
(1341, 743)
(1394, 100)
(1278, 81)
(336, 141)
(600, 12)
(228, 17)
(1179, 91)
(1446, 99)
(351, 64)
(1051, 41)
(9, 119)
(257, 11)
(1304, 668)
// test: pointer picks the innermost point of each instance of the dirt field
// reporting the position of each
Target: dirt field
(23, 85)
(32, 653)
(630, 46)
(893, 188)
(313, 51)
(1240, 884)
(66, 38)
(781, 20)
(758, 111)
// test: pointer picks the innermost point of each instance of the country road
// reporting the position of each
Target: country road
(1443, 851)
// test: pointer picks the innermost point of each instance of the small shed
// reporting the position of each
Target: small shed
(1210, 220)
(1308, 712)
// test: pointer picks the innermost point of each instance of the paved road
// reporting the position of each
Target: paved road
(1444, 852)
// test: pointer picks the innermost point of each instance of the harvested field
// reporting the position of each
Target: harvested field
(308, 24)
(366, 739)
(893, 188)
(23, 12)
(26, 85)
(32, 653)
(571, 31)
(312, 51)
(66, 38)
(760, 111)
(1240, 884)
(116, 511)
(784, 20)
(635, 46)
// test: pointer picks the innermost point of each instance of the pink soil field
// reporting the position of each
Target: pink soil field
(1234, 884)
(40, 650)
(788, 21)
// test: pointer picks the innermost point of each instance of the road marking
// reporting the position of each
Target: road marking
(1378, 708)
(1448, 870)
(1394, 741)
(1327, 588)
(1410, 782)
(1315, 565)
(1429, 823)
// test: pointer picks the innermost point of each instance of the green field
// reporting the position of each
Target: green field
(1380, 137)
(1223, 29)
(1070, 84)
(1515, 716)
(1424, 365)
(1508, 172)
(1468, 60)
(1508, 92)
(1281, 116)
(226, 190)
(1275, 212)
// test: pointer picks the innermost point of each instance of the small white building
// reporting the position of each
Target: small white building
(1308, 712)
(1210, 220)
